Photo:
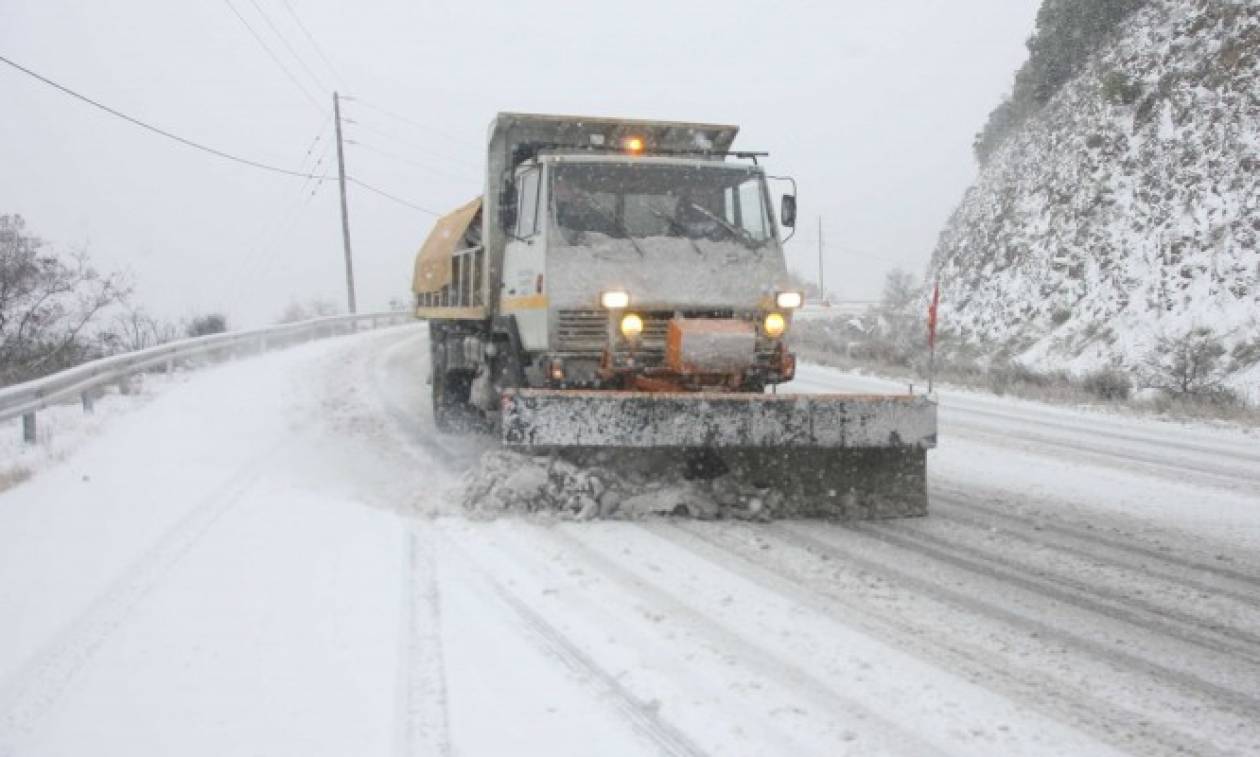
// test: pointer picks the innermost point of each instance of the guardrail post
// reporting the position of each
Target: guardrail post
(124, 384)
(170, 366)
(88, 400)
(28, 428)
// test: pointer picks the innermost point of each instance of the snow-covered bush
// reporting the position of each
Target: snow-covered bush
(1187, 364)
(1108, 384)
(204, 325)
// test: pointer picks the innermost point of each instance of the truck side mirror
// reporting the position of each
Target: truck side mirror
(507, 208)
(787, 211)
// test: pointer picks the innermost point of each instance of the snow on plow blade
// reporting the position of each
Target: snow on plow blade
(560, 418)
(843, 455)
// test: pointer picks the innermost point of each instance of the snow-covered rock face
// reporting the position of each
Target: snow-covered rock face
(1128, 208)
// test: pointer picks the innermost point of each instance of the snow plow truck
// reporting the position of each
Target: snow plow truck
(620, 288)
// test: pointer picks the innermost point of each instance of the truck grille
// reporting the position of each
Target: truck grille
(656, 328)
(581, 331)
(586, 331)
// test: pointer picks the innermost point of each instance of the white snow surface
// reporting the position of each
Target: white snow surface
(269, 557)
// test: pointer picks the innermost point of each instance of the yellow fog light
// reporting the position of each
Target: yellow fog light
(631, 326)
(775, 325)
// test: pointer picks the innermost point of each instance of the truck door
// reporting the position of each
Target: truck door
(524, 285)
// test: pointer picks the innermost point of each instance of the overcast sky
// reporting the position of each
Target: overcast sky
(871, 106)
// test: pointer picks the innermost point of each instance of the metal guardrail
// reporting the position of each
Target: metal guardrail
(24, 400)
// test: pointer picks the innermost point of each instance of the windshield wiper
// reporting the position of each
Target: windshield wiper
(676, 226)
(735, 231)
(612, 219)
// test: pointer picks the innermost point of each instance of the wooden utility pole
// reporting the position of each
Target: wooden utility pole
(822, 288)
(345, 216)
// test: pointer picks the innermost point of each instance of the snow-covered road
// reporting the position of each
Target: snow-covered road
(265, 559)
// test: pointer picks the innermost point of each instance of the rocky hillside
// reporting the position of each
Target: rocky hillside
(1127, 208)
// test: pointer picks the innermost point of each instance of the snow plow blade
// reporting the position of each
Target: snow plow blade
(851, 456)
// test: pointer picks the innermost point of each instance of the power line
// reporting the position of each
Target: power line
(273, 57)
(319, 162)
(310, 149)
(156, 130)
(318, 50)
(406, 120)
(393, 156)
(259, 266)
(405, 143)
(389, 196)
(280, 224)
(284, 41)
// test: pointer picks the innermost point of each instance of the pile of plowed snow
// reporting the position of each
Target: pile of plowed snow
(608, 487)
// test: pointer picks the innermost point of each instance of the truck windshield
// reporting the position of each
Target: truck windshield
(640, 200)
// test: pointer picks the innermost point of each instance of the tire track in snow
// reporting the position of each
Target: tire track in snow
(1057, 699)
(1220, 696)
(424, 721)
(1142, 615)
(642, 716)
(1159, 446)
(406, 419)
(39, 684)
(892, 736)
(1183, 596)
(1080, 451)
(1090, 537)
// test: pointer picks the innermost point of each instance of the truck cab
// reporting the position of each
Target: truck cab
(607, 254)
(604, 251)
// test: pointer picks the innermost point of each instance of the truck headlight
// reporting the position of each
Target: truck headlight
(631, 326)
(615, 299)
(775, 325)
(789, 300)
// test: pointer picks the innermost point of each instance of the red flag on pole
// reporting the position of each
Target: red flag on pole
(936, 300)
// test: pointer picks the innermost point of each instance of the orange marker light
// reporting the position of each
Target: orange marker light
(632, 144)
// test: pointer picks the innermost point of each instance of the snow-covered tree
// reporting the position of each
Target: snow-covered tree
(48, 305)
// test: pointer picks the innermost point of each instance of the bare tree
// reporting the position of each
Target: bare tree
(1188, 364)
(315, 308)
(897, 336)
(900, 292)
(47, 303)
(135, 329)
